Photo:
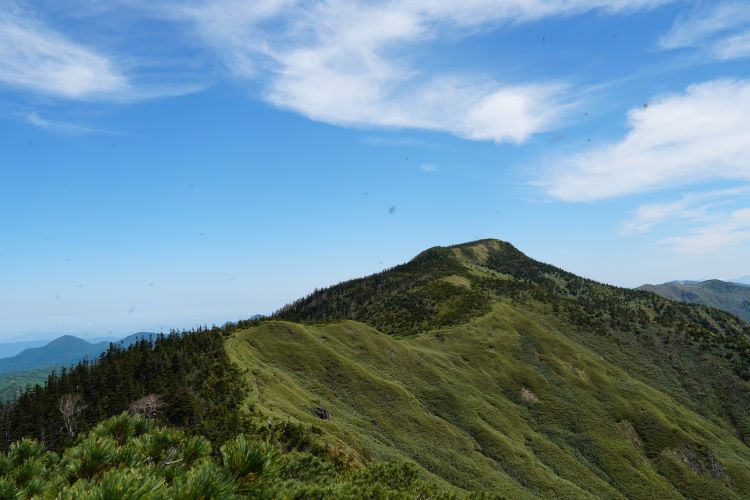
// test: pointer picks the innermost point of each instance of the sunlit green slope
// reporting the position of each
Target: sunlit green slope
(513, 376)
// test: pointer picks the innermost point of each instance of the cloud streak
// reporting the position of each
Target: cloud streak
(721, 31)
(695, 208)
(711, 237)
(36, 58)
(60, 127)
(351, 63)
(699, 135)
(344, 62)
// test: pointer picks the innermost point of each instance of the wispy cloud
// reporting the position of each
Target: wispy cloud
(343, 62)
(374, 140)
(699, 135)
(711, 237)
(335, 61)
(695, 208)
(60, 127)
(35, 57)
(734, 47)
(429, 167)
(233, 27)
(720, 31)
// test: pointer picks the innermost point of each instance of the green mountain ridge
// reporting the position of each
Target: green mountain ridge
(728, 296)
(492, 370)
(488, 371)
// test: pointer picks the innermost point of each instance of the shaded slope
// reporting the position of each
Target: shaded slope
(731, 297)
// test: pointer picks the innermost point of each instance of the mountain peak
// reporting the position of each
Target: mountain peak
(68, 340)
(441, 286)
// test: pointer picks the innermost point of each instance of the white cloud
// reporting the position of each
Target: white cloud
(711, 237)
(734, 47)
(429, 167)
(646, 217)
(232, 26)
(721, 31)
(35, 119)
(702, 134)
(36, 58)
(345, 62)
(696, 208)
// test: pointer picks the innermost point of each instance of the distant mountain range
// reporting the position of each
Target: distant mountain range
(729, 296)
(8, 349)
(65, 350)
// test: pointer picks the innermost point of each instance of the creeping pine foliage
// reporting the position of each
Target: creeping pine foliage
(129, 457)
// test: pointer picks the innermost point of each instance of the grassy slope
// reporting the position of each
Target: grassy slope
(453, 402)
(585, 390)
(730, 297)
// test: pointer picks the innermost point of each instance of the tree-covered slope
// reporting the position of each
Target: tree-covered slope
(13, 384)
(182, 379)
(516, 376)
(731, 297)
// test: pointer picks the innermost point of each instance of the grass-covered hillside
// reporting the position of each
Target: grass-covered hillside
(470, 370)
(496, 372)
(164, 419)
(731, 297)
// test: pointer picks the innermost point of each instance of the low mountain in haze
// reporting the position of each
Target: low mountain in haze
(62, 351)
(8, 349)
(745, 280)
(731, 297)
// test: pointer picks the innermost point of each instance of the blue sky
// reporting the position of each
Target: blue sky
(167, 164)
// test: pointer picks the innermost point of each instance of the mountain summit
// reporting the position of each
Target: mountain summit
(493, 370)
(483, 368)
